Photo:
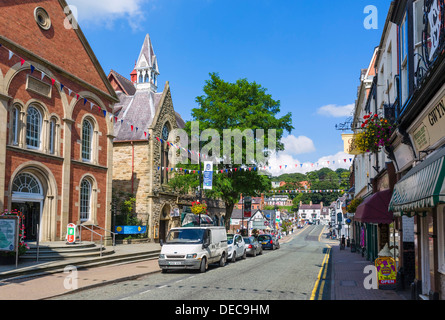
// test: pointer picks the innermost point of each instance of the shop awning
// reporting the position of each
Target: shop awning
(374, 209)
(422, 187)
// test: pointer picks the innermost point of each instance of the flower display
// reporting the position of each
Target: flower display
(199, 208)
(376, 133)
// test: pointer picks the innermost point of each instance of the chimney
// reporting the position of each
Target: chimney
(134, 74)
(311, 203)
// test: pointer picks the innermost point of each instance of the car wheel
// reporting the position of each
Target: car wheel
(233, 257)
(203, 266)
(244, 255)
(222, 261)
(261, 250)
(254, 253)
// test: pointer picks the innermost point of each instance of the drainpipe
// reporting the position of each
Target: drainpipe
(132, 167)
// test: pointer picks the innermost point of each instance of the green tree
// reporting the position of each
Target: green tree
(241, 105)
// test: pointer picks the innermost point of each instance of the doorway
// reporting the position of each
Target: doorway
(31, 212)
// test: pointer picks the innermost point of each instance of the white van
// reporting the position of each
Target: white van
(193, 248)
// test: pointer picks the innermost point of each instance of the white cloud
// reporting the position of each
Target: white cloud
(297, 145)
(285, 163)
(332, 110)
(106, 12)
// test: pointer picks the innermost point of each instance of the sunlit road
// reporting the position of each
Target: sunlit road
(289, 273)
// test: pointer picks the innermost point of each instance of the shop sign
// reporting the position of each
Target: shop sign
(386, 271)
(349, 144)
(432, 128)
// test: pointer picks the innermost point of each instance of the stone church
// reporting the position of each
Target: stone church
(142, 114)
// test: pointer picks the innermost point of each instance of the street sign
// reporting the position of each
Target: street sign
(208, 175)
(71, 233)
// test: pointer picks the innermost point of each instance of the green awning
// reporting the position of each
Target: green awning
(421, 188)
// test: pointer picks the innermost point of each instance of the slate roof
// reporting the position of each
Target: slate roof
(126, 85)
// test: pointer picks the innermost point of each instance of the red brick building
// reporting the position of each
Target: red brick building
(56, 130)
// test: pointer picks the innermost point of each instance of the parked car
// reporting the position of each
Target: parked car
(236, 247)
(193, 248)
(268, 241)
(253, 247)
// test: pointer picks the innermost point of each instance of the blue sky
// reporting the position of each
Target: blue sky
(308, 54)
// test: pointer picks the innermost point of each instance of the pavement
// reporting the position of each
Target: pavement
(346, 275)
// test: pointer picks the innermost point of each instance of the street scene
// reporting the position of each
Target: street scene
(184, 153)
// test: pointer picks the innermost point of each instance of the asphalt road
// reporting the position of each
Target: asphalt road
(289, 273)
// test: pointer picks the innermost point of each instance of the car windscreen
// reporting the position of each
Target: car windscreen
(262, 237)
(247, 240)
(185, 236)
(229, 238)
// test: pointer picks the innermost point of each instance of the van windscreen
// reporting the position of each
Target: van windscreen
(185, 236)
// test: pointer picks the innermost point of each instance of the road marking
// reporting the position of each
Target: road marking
(145, 291)
(323, 271)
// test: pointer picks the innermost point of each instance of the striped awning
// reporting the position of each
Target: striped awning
(421, 188)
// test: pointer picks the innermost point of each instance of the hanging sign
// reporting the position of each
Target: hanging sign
(208, 175)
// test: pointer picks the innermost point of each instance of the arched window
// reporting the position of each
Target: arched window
(15, 126)
(85, 200)
(52, 136)
(164, 154)
(141, 79)
(26, 183)
(33, 128)
(87, 140)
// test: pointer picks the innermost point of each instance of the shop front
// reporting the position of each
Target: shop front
(420, 194)
(371, 224)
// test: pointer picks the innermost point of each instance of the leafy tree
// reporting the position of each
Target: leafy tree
(241, 105)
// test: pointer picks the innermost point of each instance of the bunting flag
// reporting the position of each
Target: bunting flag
(43, 75)
(284, 167)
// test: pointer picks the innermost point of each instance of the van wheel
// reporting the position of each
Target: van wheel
(222, 261)
(203, 266)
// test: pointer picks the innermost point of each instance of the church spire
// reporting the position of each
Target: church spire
(146, 67)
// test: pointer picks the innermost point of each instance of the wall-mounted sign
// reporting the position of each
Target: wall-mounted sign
(131, 229)
(432, 127)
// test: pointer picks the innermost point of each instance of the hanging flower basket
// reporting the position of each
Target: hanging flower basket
(199, 208)
(376, 133)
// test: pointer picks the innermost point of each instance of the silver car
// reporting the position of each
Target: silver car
(253, 247)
